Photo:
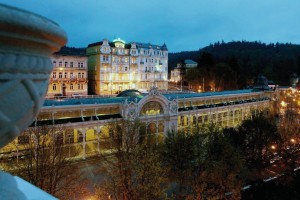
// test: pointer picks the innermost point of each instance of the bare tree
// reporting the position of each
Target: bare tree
(46, 163)
(132, 168)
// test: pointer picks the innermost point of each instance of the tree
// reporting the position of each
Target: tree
(220, 169)
(179, 158)
(133, 169)
(46, 162)
(259, 135)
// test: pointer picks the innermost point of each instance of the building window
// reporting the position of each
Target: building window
(66, 75)
(60, 75)
(71, 75)
(71, 86)
(66, 64)
(104, 58)
(71, 64)
(54, 75)
(60, 64)
(70, 138)
(54, 63)
(151, 108)
(54, 87)
(82, 75)
(81, 86)
(126, 60)
(126, 68)
(78, 86)
(114, 59)
(81, 65)
(79, 75)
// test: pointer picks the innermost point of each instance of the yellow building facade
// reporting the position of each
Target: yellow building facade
(69, 75)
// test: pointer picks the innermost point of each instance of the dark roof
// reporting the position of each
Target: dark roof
(95, 44)
(190, 62)
(70, 51)
(138, 45)
(130, 93)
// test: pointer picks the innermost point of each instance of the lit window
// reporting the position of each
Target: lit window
(126, 59)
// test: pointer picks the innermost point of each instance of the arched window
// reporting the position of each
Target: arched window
(151, 108)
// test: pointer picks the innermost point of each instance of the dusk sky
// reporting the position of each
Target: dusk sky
(181, 24)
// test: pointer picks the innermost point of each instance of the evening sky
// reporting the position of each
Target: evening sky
(181, 24)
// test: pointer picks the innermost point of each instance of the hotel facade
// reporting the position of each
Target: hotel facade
(116, 66)
(69, 75)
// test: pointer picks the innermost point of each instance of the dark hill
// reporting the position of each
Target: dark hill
(248, 59)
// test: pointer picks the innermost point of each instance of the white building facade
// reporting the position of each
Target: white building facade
(116, 66)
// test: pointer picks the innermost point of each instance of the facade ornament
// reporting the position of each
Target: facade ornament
(154, 91)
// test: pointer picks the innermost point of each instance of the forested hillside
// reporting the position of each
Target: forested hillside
(246, 60)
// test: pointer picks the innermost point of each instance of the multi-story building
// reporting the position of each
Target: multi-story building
(69, 76)
(116, 66)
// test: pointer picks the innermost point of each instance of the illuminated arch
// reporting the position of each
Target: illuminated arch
(151, 108)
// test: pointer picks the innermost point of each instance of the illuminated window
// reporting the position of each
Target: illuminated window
(151, 108)
(126, 60)
(54, 87)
